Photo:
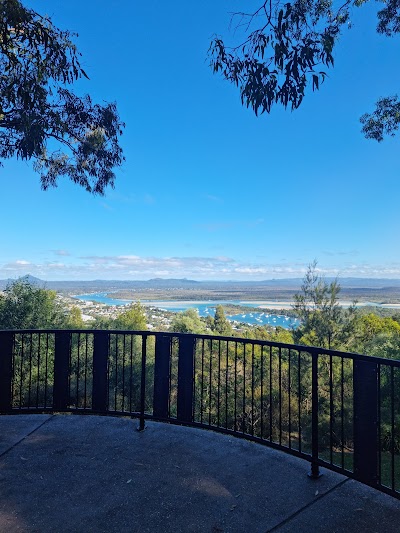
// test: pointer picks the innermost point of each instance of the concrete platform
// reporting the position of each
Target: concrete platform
(97, 474)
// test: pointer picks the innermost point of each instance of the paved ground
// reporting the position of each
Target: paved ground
(97, 474)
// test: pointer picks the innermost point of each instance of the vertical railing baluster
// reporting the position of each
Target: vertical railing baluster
(235, 386)
(365, 387)
(30, 370)
(342, 409)
(219, 384)
(210, 386)
(185, 378)
(13, 368)
(38, 372)
(46, 370)
(270, 394)
(202, 382)
(143, 384)
(116, 370)
(299, 397)
(100, 371)
(289, 399)
(244, 390)
(78, 369)
(252, 389)
(6, 370)
(61, 370)
(331, 409)
(262, 393)
(130, 373)
(21, 384)
(379, 423)
(392, 417)
(226, 384)
(280, 395)
(314, 474)
(86, 368)
(123, 372)
(161, 376)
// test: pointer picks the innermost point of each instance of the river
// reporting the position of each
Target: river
(260, 318)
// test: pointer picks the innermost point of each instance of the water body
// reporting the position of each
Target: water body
(205, 309)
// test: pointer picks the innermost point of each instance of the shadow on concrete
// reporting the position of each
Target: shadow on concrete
(86, 473)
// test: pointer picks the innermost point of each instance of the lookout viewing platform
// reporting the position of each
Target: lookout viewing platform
(91, 473)
(332, 413)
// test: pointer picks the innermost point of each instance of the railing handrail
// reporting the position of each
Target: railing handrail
(258, 342)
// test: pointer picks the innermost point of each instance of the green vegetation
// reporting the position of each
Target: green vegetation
(133, 319)
(25, 306)
(189, 322)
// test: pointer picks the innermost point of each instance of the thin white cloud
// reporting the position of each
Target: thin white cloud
(213, 198)
(219, 267)
(146, 198)
(332, 253)
(223, 225)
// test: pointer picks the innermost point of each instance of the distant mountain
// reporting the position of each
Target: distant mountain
(171, 283)
(32, 279)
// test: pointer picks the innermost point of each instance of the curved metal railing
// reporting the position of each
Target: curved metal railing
(334, 409)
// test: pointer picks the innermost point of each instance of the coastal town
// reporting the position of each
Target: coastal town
(158, 319)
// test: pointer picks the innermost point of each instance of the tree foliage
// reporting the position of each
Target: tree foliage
(188, 321)
(221, 325)
(133, 318)
(323, 321)
(41, 119)
(285, 47)
(23, 305)
(385, 120)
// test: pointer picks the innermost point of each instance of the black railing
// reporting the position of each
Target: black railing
(334, 409)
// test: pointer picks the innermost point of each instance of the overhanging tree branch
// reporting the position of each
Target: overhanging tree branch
(289, 51)
(37, 63)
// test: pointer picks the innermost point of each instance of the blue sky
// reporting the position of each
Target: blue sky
(209, 191)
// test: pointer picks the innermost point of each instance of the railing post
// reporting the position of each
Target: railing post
(142, 425)
(365, 387)
(185, 378)
(314, 473)
(100, 363)
(161, 376)
(61, 370)
(6, 370)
